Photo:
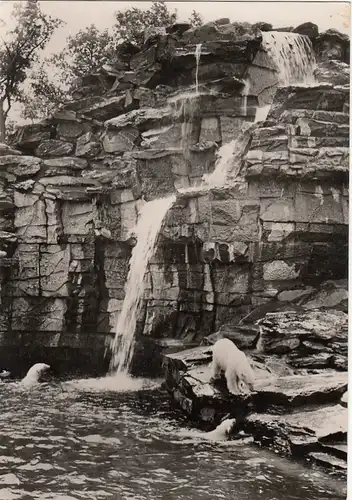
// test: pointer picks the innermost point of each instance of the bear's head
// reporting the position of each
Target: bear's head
(226, 426)
(34, 373)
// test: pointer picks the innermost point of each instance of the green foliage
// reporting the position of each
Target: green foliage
(43, 96)
(19, 52)
(131, 23)
(195, 19)
(85, 52)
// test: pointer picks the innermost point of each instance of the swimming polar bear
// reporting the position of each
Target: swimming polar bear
(238, 372)
(34, 374)
(222, 431)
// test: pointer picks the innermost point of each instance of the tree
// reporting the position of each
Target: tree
(19, 52)
(131, 23)
(85, 52)
(43, 95)
(195, 19)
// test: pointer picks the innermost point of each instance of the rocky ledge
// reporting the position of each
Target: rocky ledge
(296, 409)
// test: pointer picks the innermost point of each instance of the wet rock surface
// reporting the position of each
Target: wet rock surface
(291, 411)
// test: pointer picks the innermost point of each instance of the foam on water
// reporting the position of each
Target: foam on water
(116, 382)
(75, 445)
(146, 232)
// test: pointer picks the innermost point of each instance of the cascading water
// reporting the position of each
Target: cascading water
(261, 113)
(229, 160)
(293, 56)
(245, 92)
(146, 232)
(294, 59)
(197, 54)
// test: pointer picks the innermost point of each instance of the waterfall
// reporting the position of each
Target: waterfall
(197, 54)
(293, 56)
(261, 113)
(229, 160)
(245, 92)
(189, 107)
(294, 59)
(146, 231)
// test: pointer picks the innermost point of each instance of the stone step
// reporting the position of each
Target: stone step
(301, 432)
(328, 461)
(299, 390)
(338, 450)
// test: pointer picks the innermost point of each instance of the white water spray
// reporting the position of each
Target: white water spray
(229, 160)
(293, 56)
(261, 113)
(197, 54)
(146, 232)
(245, 92)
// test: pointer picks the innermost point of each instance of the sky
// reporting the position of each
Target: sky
(80, 14)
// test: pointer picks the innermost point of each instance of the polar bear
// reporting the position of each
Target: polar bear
(222, 431)
(238, 372)
(34, 374)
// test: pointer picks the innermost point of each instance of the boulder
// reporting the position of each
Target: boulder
(331, 295)
(331, 44)
(20, 166)
(308, 29)
(300, 432)
(298, 390)
(244, 336)
(30, 136)
(54, 147)
(333, 71)
(178, 28)
(87, 146)
(263, 26)
(234, 32)
(281, 332)
(6, 150)
(106, 108)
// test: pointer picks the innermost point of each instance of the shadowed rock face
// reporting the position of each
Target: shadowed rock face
(71, 187)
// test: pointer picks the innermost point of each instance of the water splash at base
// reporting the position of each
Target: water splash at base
(117, 382)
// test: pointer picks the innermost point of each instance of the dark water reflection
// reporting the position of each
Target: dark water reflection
(72, 445)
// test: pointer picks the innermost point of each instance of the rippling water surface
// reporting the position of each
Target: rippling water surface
(95, 440)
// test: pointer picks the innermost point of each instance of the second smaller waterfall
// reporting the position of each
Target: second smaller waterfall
(197, 54)
(229, 159)
(146, 232)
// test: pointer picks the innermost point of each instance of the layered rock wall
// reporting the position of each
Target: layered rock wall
(281, 225)
(72, 187)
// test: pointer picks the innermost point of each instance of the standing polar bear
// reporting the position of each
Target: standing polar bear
(238, 372)
(34, 374)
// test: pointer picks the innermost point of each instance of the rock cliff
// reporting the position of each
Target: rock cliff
(150, 124)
